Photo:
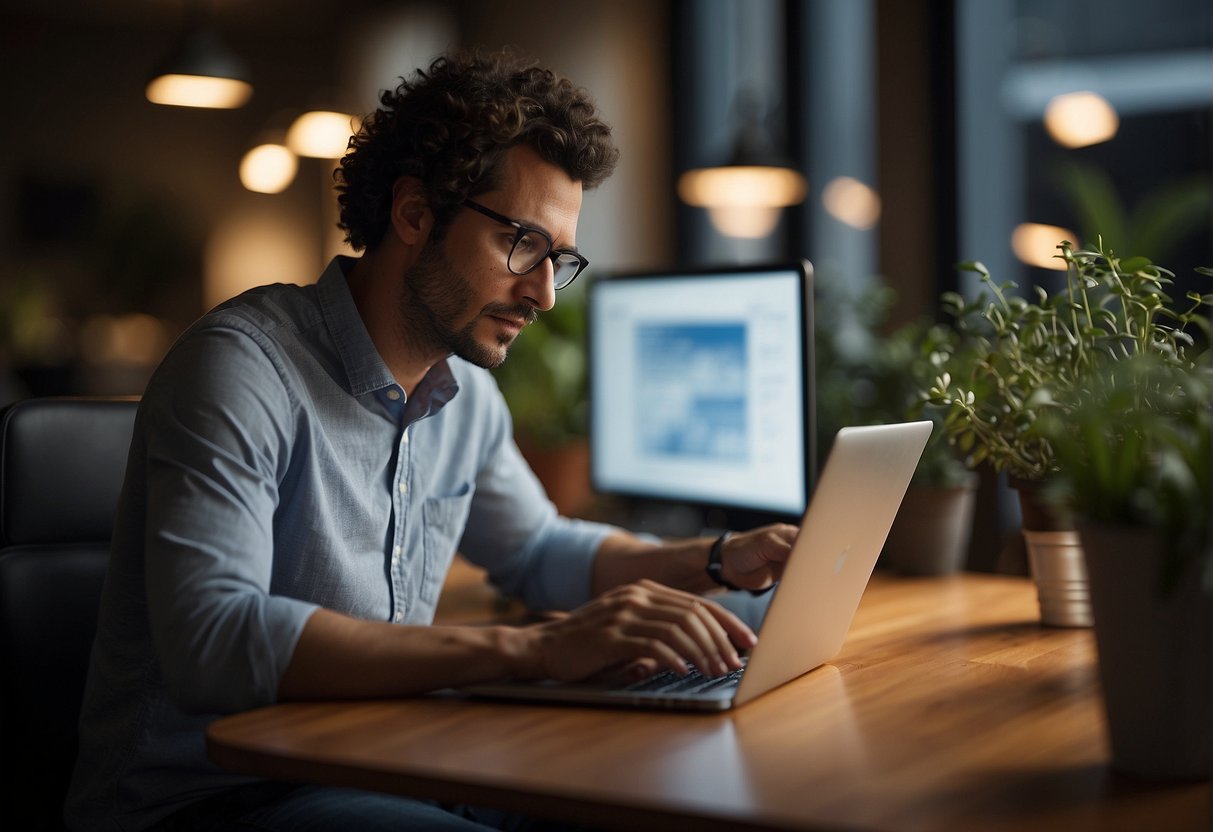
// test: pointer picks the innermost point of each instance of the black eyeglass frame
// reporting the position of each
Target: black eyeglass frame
(521, 230)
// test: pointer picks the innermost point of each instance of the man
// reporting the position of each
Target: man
(306, 461)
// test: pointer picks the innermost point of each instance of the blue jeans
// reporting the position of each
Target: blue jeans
(287, 807)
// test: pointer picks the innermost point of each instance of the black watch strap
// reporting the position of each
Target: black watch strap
(716, 570)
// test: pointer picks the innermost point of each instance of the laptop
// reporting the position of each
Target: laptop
(810, 612)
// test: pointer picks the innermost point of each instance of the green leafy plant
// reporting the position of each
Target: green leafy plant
(1025, 358)
(544, 377)
(866, 378)
(903, 364)
(1134, 450)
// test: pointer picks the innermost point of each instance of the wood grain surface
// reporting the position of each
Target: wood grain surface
(948, 708)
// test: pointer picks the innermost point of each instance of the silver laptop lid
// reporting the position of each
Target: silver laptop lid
(849, 517)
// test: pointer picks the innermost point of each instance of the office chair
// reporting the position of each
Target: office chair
(62, 462)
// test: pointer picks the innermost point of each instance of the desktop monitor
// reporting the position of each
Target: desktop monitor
(701, 390)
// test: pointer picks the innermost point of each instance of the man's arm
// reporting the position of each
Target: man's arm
(645, 624)
(751, 560)
(339, 656)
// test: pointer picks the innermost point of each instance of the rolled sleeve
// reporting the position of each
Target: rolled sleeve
(563, 563)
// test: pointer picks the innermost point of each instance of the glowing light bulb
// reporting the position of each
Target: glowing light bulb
(1036, 244)
(743, 201)
(321, 134)
(268, 168)
(199, 91)
(1079, 119)
(852, 202)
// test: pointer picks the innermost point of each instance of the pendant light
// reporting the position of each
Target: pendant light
(744, 196)
(200, 72)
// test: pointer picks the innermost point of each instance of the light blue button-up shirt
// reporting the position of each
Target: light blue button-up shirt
(278, 467)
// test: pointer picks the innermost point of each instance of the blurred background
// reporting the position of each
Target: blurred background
(923, 132)
(892, 137)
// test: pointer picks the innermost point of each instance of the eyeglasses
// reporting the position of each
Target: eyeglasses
(531, 245)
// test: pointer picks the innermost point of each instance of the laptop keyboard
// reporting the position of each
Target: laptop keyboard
(667, 681)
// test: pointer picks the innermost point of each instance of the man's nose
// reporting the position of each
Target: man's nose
(538, 287)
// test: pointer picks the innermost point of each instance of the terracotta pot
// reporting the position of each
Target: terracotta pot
(1154, 663)
(931, 533)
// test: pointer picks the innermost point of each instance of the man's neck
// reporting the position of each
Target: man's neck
(376, 283)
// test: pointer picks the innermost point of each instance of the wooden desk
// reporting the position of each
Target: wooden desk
(949, 708)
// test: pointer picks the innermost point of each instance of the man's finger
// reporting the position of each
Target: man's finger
(711, 650)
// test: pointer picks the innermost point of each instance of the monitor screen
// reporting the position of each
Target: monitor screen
(701, 387)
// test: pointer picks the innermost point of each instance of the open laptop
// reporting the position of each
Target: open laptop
(841, 535)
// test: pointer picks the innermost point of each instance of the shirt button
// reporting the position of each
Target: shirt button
(403, 488)
(398, 617)
(393, 394)
(404, 440)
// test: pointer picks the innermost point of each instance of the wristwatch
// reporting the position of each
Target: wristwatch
(715, 569)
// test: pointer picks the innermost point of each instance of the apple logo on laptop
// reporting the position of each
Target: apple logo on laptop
(842, 556)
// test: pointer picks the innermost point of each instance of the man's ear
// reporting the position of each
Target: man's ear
(411, 215)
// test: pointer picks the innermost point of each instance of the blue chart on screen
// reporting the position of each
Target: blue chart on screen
(693, 378)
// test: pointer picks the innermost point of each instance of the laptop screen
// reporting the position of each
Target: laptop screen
(701, 387)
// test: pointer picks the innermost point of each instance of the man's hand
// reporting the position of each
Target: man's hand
(755, 559)
(646, 625)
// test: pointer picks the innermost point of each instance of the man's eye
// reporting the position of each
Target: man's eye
(529, 242)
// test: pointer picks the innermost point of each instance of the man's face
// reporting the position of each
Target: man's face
(460, 292)
(443, 296)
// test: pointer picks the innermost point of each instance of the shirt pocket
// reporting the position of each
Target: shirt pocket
(444, 519)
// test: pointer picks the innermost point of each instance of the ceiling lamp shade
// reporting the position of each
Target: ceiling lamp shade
(200, 72)
(321, 134)
(745, 196)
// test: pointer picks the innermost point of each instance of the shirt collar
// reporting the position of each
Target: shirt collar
(436, 389)
(364, 368)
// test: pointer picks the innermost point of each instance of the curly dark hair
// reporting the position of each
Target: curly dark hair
(451, 125)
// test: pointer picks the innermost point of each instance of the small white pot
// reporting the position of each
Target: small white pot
(1061, 578)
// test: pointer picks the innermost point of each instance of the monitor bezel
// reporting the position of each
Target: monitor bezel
(716, 515)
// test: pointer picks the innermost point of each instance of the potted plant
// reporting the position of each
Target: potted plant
(544, 383)
(932, 530)
(1026, 358)
(866, 378)
(1134, 454)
